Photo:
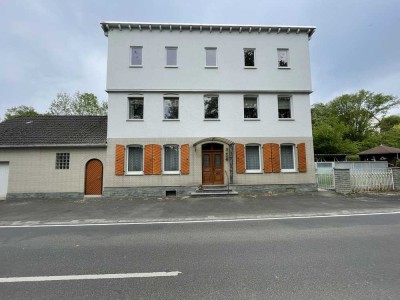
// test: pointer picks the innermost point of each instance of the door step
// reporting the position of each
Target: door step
(213, 190)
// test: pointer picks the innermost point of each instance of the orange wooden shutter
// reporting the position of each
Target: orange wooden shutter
(185, 164)
(148, 159)
(157, 159)
(119, 159)
(301, 155)
(267, 158)
(276, 158)
(240, 164)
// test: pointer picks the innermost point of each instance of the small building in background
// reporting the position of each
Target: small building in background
(381, 153)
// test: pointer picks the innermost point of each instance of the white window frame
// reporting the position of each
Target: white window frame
(128, 109)
(127, 160)
(287, 56)
(130, 57)
(259, 158)
(294, 158)
(258, 108)
(211, 119)
(166, 57)
(244, 60)
(178, 172)
(291, 108)
(179, 103)
(216, 58)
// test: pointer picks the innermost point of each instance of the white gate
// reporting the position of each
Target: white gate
(3, 179)
(371, 180)
(325, 179)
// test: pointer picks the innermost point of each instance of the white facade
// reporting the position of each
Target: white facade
(139, 67)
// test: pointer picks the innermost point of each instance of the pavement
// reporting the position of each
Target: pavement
(101, 210)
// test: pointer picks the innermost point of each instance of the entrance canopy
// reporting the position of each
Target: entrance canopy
(214, 139)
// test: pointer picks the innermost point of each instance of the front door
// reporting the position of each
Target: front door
(94, 177)
(213, 164)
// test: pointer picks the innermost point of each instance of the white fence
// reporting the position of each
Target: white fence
(371, 180)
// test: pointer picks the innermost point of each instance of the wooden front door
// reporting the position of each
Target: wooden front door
(213, 165)
(94, 177)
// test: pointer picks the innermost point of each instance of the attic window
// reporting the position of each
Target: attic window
(62, 160)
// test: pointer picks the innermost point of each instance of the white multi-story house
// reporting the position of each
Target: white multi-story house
(196, 105)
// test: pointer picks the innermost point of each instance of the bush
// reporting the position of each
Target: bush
(353, 158)
(398, 163)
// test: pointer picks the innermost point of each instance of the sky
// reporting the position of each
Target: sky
(53, 46)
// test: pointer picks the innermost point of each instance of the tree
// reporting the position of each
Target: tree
(20, 111)
(79, 104)
(362, 112)
(388, 123)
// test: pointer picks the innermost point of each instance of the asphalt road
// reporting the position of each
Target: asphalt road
(354, 257)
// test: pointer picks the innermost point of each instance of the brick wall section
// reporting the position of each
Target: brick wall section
(396, 178)
(342, 181)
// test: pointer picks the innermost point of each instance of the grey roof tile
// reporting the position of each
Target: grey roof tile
(54, 130)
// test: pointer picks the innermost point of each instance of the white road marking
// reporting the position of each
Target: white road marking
(120, 223)
(86, 277)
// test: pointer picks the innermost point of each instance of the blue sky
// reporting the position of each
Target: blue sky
(52, 46)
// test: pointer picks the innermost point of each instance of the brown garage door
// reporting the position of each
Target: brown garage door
(94, 177)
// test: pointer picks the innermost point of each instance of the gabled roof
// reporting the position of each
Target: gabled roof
(111, 25)
(50, 131)
(382, 149)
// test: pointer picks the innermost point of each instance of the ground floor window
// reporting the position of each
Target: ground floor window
(62, 160)
(287, 158)
(171, 159)
(135, 159)
(253, 158)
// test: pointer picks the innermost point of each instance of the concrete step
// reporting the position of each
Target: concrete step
(213, 194)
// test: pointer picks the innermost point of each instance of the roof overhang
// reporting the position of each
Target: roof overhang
(214, 139)
(54, 146)
(111, 25)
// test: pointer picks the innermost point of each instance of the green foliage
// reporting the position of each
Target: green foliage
(20, 111)
(348, 124)
(391, 137)
(85, 104)
(388, 122)
(398, 163)
(353, 158)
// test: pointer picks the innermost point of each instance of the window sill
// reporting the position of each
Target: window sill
(211, 67)
(135, 66)
(253, 172)
(286, 119)
(170, 120)
(134, 173)
(134, 120)
(211, 120)
(171, 173)
(251, 119)
(171, 67)
(288, 171)
(250, 67)
(287, 68)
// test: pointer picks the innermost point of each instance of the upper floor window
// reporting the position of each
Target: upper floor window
(283, 58)
(62, 160)
(136, 108)
(253, 159)
(171, 159)
(249, 57)
(211, 57)
(171, 108)
(284, 107)
(250, 107)
(135, 159)
(287, 158)
(136, 56)
(210, 107)
(172, 56)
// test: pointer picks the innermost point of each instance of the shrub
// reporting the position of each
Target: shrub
(353, 158)
(398, 163)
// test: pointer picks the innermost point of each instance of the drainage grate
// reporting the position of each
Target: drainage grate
(170, 193)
